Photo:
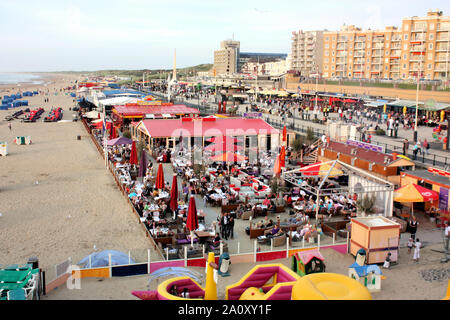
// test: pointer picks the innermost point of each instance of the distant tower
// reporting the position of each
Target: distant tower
(174, 74)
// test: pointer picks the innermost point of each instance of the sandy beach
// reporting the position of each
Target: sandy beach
(57, 200)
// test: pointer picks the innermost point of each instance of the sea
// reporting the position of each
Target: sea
(16, 78)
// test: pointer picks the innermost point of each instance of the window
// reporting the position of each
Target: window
(387, 52)
(385, 68)
(404, 66)
(368, 45)
(350, 68)
(405, 47)
(387, 38)
(332, 60)
(332, 74)
(332, 67)
(404, 56)
(430, 46)
(325, 74)
(326, 60)
(430, 56)
(431, 26)
(334, 45)
(406, 36)
(326, 53)
(351, 53)
(429, 66)
(327, 46)
(406, 27)
(387, 44)
(333, 54)
(326, 39)
(431, 36)
(326, 67)
(386, 60)
(368, 68)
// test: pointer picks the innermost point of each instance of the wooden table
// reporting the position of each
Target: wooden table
(203, 236)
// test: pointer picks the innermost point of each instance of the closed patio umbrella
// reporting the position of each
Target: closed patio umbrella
(283, 157)
(143, 164)
(159, 184)
(133, 156)
(192, 219)
(174, 194)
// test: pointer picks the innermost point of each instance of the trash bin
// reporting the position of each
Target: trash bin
(34, 261)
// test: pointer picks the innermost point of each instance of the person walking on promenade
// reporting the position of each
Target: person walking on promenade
(405, 146)
(9, 126)
(413, 227)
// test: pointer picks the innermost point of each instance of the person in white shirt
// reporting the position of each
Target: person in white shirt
(417, 247)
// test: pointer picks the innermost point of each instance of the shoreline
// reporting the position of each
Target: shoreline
(45, 79)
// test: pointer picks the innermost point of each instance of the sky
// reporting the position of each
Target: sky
(59, 35)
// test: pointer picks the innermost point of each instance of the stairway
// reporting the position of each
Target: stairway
(311, 154)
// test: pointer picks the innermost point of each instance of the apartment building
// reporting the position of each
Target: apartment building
(355, 53)
(425, 46)
(419, 47)
(307, 52)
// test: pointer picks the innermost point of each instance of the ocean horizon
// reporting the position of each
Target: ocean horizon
(16, 78)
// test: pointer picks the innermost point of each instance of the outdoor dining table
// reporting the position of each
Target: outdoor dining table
(203, 236)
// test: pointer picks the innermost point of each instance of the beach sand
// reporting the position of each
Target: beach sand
(57, 199)
(404, 281)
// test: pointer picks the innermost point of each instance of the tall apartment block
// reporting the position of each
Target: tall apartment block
(227, 57)
(419, 47)
(425, 46)
(306, 53)
(354, 53)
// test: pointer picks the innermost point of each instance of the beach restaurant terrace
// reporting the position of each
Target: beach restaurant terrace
(123, 115)
(167, 132)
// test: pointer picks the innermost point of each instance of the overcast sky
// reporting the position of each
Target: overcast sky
(136, 34)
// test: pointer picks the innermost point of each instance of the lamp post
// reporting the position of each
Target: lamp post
(422, 53)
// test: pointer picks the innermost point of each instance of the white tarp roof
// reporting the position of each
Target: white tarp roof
(92, 114)
(118, 101)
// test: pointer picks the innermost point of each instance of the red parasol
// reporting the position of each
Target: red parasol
(159, 184)
(174, 193)
(228, 157)
(283, 157)
(133, 156)
(277, 167)
(192, 219)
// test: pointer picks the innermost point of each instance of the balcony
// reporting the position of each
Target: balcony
(360, 39)
(417, 49)
(419, 29)
(395, 69)
(442, 49)
(440, 39)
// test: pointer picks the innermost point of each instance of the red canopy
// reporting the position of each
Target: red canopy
(159, 184)
(192, 219)
(348, 101)
(133, 156)
(174, 194)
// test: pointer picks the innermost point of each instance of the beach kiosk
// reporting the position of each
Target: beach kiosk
(3, 148)
(377, 235)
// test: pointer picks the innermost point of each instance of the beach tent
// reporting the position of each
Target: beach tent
(101, 259)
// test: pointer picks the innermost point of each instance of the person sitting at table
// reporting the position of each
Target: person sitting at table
(216, 240)
(274, 232)
(174, 290)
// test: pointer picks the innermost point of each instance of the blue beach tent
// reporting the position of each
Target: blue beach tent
(101, 259)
